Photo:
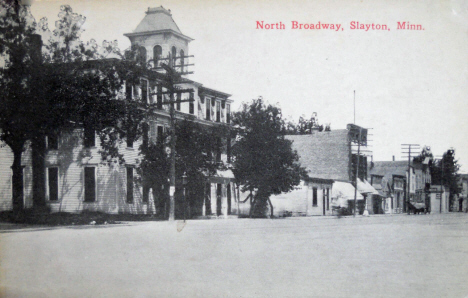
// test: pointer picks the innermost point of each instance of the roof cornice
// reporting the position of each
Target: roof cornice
(159, 31)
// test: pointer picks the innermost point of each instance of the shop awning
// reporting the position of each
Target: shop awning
(365, 187)
(344, 190)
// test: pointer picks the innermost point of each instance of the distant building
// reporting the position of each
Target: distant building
(390, 178)
(461, 203)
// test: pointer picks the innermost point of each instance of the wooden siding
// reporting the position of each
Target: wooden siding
(71, 158)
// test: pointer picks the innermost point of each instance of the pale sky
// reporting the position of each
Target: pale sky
(411, 86)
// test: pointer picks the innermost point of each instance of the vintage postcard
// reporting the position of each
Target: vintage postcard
(234, 148)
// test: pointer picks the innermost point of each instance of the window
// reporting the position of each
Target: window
(160, 133)
(208, 109)
(52, 141)
(142, 55)
(174, 56)
(128, 90)
(145, 132)
(144, 91)
(159, 98)
(181, 60)
(145, 194)
(228, 190)
(191, 104)
(207, 191)
(129, 140)
(218, 150)
(179, 98)
(314, 196)
(129, 185)
(53, 183)
(218, 199)
(228, 149)
(376, 180)
(90, 184)
(157, 52)
(89, 137)
(228, 113)
(218, 111)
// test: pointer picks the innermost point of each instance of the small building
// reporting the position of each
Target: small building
(439, 198)
(461, 203)
(311, 197)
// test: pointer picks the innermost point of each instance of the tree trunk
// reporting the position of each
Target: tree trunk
(18, 201)
(252, 206)
(271, 207)
(38, 147)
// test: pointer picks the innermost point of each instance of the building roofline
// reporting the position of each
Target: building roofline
(215, 91)
(159, 31)
(320, 180)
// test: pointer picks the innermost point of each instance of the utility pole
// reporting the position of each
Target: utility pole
(442, 188)
(357, 136)
(407, 150)
(171, 80)
(443, 185)
(357, 171)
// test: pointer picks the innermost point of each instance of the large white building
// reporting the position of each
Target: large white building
(76, 177)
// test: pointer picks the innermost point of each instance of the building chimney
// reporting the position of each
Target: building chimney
(35, 42)
(393, 157)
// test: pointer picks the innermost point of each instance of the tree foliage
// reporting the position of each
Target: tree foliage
(196, 148)
(304, 126)
(264, 161)
(445, 172)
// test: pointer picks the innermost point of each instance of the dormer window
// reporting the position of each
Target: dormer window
(142, 55)
(157, 52)
(181, 60)
(174, 55)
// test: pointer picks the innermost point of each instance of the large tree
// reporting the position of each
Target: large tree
(51, 83)
(196, 158)
(445, 172)
(264, 162)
